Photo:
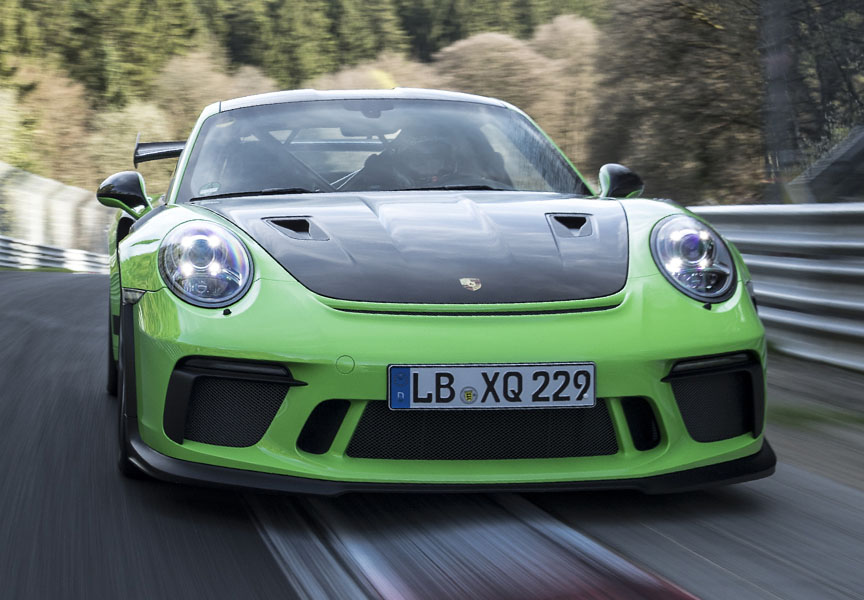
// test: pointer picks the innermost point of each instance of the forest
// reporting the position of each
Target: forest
(712, 102)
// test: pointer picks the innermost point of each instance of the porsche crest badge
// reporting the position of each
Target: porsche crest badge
(471, 284)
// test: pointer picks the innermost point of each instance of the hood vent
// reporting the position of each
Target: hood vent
(299, 228)
(570, 225)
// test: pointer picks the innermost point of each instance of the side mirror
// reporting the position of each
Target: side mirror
(125, 190)
(617, 181)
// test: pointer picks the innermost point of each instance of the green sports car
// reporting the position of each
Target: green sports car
(416, 290)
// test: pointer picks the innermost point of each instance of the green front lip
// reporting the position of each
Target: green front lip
(633, 346)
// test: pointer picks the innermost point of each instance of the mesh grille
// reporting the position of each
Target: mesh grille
(642, 423)
(715, 406)
(232, 412)
(482, 434)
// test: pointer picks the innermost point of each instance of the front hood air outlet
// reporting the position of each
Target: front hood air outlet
(299, 228)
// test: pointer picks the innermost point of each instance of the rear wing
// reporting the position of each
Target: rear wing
(148, 151)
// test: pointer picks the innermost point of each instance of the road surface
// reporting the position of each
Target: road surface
(72, 527)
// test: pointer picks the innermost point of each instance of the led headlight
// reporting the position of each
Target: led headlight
(694, 258)
(205, 264)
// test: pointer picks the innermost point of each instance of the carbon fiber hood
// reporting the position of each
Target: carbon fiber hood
(441, 247)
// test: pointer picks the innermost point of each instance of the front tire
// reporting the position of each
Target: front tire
(124, 463)
(112, 379)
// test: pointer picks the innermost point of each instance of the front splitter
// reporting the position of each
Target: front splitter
(176, 470)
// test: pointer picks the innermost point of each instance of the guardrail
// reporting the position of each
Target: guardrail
(18, 254)
(807, 263)
(48, 212)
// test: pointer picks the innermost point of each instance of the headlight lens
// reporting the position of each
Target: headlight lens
(693, 258)
(205, 264)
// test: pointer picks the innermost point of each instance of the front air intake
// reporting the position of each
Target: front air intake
(321, 427)
(224, 402)
(482, 434)
(642, 423)
(720, 397)
(231, 412)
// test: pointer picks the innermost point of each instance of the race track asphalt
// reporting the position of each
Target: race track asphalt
(72, 527)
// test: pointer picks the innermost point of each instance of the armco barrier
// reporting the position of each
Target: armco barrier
(18, 254)
(44, 211)
(807, 262)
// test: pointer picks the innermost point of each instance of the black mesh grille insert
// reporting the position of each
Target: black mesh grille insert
(232, 412)
(642, 423)
(482, 434)
(715, 406)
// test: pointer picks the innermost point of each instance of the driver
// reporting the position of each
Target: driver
(425, 159)
(417, 158)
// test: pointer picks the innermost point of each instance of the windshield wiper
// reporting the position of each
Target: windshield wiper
(267, 192)
(455, 187)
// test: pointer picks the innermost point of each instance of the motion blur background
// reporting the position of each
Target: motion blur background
(754, 103)
(710, 101)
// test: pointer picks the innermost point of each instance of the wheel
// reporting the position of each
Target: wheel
(111, 383)
(124, 464)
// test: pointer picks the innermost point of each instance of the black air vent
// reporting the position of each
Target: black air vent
(232, 412)
(720, 397)
(642, 423)
(716, 406)
(322, 426)
(299, 228)
(224, 401)
(570, 225)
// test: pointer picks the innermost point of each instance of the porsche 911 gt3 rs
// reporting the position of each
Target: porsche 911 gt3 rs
(416, 290)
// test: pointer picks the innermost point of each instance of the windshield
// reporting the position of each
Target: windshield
(373, 145)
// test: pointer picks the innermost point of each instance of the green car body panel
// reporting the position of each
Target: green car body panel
(341, 349)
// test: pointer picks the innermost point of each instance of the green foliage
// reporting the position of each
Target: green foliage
(826, 78)
(112, 47)
(300, 45)
(115, 48)
(49, 126)
(674, 88)
(16, 133)
(433, 24)
(683, 96)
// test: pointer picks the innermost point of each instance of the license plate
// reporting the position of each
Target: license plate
(540, 385)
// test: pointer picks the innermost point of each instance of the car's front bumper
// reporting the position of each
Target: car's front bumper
(634, 346)
(175, 470)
